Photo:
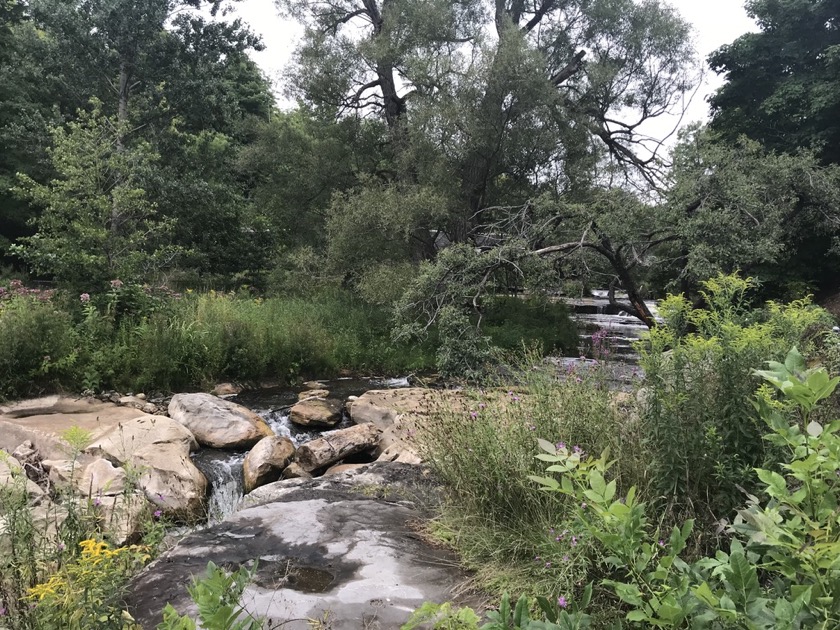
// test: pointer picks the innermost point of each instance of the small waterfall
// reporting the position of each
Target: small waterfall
(223, 469)
(224, 474)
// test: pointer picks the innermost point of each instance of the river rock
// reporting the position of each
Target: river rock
(398, 413)
(266, 461)
(171, 481)
(45, 421)
(159, 449)
(12, 474)
(218, 423)
(323, 547)
(101, 478)
(226, 389)
(336, 445)
(314, 385)
(119, 443)
(313, 393)
(294, 471)
(123, 516)
(316, 412)
(343, 468)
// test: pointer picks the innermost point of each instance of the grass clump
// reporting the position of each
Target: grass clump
(483, 452)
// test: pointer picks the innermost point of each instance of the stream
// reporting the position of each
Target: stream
(223, 469)
(606, 336)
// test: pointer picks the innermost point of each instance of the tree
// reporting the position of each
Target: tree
(174, 79)
(782, 84)
(97, 222)
(485, 109)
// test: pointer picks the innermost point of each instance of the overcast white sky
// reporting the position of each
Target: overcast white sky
(716, 22)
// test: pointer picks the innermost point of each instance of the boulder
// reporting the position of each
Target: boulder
(101, 479)
(336, 445)
(294, 471)
(123, 517)
(398, 413)
(12, 474)
(119, 443)
(226, 389)
(316, 412)
(45, 422)
(324, 547)
(313, 393)
(265, 462)
(158, 448)
(314, 385)
(171, 481)
(218, 423)
(61, 472)
(343, 468)
(135, 402)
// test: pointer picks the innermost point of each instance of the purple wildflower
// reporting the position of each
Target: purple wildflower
(561, 601)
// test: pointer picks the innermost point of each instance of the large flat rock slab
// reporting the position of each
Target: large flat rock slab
(321, 546)
(44, 420)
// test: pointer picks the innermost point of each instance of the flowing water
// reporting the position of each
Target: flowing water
(606, 335)
(223, 469)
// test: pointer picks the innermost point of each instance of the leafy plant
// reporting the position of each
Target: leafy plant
(217, 597)
(782, 568)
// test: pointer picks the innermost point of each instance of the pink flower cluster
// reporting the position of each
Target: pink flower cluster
(16, 289)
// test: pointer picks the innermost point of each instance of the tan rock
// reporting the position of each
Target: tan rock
(171, 481)
(226, 389)
(45, 422)
(122, 517)
(158, 449)
(342, 468)
(119, 443)
(218, 423)
(294, 471)
(265, 462)
(101, 478)
(337, 445)
(313, 393)
(314, 385)
(13, 475)
(316, 412)
(62, 472)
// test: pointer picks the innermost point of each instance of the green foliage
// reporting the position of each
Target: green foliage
(442, 617)
(780, 83)
(702, 437)
(781, 570)
(97, 222)
(737, 205)
(216, 596)
(482, 448)
(139, 340)
(39, 349)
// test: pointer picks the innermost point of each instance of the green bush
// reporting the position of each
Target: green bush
(483, 448)
(781, 571)
(702, 437)
(38, 349)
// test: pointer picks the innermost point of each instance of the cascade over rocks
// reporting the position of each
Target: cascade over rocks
(266, 461)
(218, 423)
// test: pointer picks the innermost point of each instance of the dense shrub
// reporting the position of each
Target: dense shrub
(703, 439)
(483, 450)
(39, 346)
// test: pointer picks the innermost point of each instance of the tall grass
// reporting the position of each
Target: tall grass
(500, 522)
(193, 342)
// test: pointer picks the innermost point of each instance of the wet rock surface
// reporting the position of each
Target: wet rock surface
(342, 545)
